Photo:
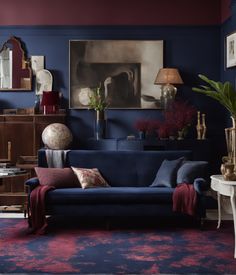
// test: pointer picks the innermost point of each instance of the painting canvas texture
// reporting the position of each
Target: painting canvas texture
(124, 69)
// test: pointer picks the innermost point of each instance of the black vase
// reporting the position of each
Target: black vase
(100, 124)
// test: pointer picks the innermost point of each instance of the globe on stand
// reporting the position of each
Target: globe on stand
(57, 136)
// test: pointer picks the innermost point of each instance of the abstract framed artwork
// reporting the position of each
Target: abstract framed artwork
(124, 69)
(230, 47)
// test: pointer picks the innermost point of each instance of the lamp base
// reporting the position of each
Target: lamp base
(168, 93)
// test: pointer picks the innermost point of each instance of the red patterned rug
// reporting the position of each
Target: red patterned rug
(89, 250)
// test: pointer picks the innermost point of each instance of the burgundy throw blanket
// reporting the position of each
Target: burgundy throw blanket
(185, 199)
(37, 209)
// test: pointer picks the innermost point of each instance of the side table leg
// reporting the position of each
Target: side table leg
(232, 199)
(219, 210)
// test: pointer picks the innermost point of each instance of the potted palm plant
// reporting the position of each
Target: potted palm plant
(225, 94)
(98, 103)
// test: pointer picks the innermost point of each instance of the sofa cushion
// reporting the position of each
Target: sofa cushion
(89, 178)
(128, 195)
(166, 175)
(57, 177)
(190, 170)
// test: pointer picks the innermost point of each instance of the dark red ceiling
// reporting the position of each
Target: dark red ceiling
(112, 12)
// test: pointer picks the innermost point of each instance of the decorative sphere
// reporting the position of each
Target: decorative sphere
(57, 136)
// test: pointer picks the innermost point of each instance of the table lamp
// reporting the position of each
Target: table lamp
(167, 77)
(50, 102)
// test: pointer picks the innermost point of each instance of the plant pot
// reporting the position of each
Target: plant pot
(230, 135)
(182, 133)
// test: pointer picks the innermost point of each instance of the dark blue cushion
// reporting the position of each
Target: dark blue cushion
(128, 195)
(166, 175)
(190, 170)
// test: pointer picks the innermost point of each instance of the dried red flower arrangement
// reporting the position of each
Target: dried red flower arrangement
(177, 118)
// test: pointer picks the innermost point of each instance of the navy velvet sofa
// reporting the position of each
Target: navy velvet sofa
(129, 173)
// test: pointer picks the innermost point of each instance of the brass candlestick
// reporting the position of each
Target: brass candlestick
(201, 126)
(204, 128)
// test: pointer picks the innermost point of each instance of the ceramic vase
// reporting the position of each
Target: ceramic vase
(100, 124)
(182, 133)
(230, 135)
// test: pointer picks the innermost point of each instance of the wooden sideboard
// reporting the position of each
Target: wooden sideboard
(24, 132)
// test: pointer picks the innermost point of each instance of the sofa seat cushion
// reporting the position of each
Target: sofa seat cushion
(110, 195)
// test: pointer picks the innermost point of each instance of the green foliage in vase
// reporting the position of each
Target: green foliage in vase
(224, 93)
(97, 100)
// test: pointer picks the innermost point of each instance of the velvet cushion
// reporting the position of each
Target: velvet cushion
(190, 170)
(57, 177)
(166, 175)
(89, 178)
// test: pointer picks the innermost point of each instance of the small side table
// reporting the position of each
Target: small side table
(226, 188)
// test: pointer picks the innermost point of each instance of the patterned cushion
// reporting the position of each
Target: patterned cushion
(166, 175)
(89, 178)
(57, 177)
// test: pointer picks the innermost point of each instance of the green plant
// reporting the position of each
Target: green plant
(97, 101)
(224, 93)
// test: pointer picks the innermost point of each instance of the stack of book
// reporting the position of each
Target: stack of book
(6, 164)
(7, 170)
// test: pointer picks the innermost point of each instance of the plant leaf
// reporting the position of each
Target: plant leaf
(224, 93)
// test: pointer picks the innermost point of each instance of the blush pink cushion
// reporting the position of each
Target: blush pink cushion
(57, 177)
(89, 178)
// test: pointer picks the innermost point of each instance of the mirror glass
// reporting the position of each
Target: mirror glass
(15, 71)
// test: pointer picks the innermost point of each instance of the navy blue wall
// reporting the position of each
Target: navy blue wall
(228, 27)
(228, 74)
(193, 50)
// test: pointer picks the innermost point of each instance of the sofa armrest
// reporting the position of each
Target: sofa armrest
(32, 183)
(201, 185)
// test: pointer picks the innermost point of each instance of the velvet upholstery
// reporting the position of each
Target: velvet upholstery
(32, 183)
(201, 185)
(111, 195)
(129, 173)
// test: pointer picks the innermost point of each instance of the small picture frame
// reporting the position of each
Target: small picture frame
(37, 63)
(231, 50)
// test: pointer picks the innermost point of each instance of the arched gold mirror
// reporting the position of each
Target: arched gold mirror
(15, 71)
